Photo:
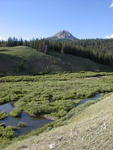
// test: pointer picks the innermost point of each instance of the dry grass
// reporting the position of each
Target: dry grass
(90, 130)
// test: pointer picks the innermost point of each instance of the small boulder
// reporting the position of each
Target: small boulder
(52, 146)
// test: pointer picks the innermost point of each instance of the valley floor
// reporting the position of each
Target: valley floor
(92, 129)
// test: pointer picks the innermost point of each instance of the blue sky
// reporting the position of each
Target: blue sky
(43, 18)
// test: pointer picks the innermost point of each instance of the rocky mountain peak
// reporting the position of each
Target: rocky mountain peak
(63, 35)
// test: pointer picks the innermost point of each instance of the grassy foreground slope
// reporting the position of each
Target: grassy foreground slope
(25, 60)
(92, 129)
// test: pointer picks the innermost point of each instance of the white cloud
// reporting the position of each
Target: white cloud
(111, 6)
(109, 36)
(2, 38)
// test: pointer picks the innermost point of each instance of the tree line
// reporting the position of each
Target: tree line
(11, 42)
(98, 50)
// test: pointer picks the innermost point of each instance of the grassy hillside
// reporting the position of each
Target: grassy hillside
(25, 60)
(90, 129)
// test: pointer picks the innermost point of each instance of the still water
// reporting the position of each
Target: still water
(32, 123)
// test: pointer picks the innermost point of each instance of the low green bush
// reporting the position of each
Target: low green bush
(16, 113)
(3, 115)
(2, 125)
(22, 124)
(7, 132)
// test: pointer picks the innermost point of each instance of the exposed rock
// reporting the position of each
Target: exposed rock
(63, 35)
(52, 146)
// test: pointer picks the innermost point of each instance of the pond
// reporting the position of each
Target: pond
(32, 123)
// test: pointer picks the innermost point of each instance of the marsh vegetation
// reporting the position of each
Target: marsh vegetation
(52, 96)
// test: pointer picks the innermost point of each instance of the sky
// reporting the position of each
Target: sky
(43, 18)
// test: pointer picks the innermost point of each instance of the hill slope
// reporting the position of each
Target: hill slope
(91, 129)
(25, 60)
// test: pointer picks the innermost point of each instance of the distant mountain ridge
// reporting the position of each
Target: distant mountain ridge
(62, 35)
